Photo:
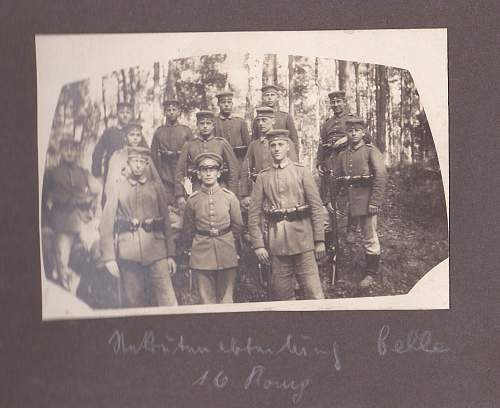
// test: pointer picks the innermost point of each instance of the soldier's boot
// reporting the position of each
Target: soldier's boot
(372, 268)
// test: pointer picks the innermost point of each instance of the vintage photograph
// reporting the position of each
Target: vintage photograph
(237, 177)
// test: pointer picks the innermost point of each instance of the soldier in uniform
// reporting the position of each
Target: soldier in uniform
(69, 192)
(142, 255)
(112, 139)
(258, 156)
(204, 142)
(167, 144)
(283, 120)
(212, 226)
(286, 194)
(360, 178)
(231, 128)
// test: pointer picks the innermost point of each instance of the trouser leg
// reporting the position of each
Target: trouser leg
(371, 243)
(306, 271)
(205, 281)
(282, 284)
(225, 280)
(133, 277)
(162, 290)
(64, 243)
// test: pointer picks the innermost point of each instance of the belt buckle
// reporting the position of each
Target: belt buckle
(214, 232)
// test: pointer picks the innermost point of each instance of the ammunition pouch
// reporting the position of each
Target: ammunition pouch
(131, 225)
(275, 215)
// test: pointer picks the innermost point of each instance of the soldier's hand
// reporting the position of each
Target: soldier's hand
(372, 209)
(113, 269)
(245, 202)
(181, 203)
(262, 256)
(320, 250)
(321, 170)
(172, 266)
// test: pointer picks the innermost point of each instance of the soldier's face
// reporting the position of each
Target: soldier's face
(134, 137)
(355, 135)
(269, 98)
(279, 149)
(69, 153)
(124, 115)
(172, 112)
(337, 105)
(137, 165)
(205, 127)
(264, 124)
(209, 172)
(226, 105)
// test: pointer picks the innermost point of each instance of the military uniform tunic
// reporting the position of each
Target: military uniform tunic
(233, 129)
(332, 131)
(207, 209)
(171, 138)
(111, 140)
(282, 120)
(200, 145)
(365, 160)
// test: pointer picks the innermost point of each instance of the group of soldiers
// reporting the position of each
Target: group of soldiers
(215, 179)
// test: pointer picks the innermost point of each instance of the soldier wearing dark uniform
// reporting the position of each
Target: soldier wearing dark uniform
(204, 142)
(212, 227)
(166, 146)
(287, 196)
(360, 178)
(137, 213)
(112, 139)
(231, 128)
(258, 156)
(69, 192)
(283, 120)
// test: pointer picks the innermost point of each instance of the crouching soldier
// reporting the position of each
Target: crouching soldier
(286, 194)
(212, 227)
(360, 178)
(137, 214)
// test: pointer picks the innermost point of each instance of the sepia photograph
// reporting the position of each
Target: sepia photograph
(219, 172)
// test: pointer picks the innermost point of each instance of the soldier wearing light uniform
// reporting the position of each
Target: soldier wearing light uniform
(137, 212)
(205, 142)
(212, 228)
(283, 120)
(286, 194)
(230, 127)
(360, 178)
(166, 146)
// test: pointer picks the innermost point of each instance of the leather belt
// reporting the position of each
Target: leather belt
(213, 232)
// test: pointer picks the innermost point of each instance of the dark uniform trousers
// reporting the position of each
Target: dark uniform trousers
(291, 243)
(141, 255)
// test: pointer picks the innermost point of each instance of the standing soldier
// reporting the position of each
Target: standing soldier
(231, 128)
(286, 194)
(204, 142)
(167, 144)
(360, 177)
(137, 212)
(68, 194)
(112, 139)
(212, 225)
(283, 120)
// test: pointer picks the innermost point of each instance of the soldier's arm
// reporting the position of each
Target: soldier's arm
(290, 125)
(188, 227)
(255, 215)
(234, 167)
(245, 136)
(93, 184)
(155, 147)
(98, 154)
(181, 171)
(235, 216)
(106, 227)
(320, 152)
(255, 130)
(376, 162)
(165, 213)
(246, 168)
(314, 200)
(189, 134)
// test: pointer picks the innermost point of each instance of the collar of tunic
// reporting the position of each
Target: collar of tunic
(134, 181)
(353, 149)
(230, 116)
(205, 139)
(283, 164)
(210, 190)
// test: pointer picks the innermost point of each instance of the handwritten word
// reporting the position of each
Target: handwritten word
(148, 344)
(256, 380)
(414, 341)
(295, 346)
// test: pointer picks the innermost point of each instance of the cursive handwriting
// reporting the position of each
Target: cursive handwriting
(256, 379)
(414, 341)
(149, 344)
